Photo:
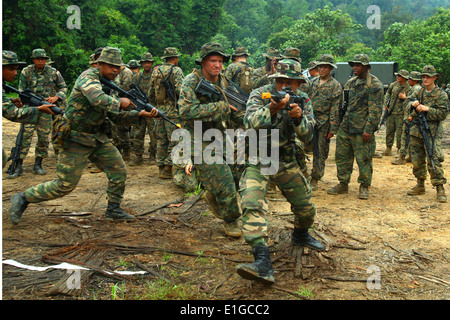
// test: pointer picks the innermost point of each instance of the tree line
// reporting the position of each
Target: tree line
(411, 32)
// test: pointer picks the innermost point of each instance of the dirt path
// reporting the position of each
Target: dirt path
(402, 241)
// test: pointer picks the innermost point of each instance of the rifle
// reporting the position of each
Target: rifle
(166, 83)
(386, 113)
(343, 106)
(136, 97)
(15, 151)
(408, 126)
(31, 99)
(428, 140)
(234, 98)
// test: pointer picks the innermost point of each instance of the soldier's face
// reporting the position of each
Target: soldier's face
(427, 80)
(109, 71)
(359, 69)
(39, 63)
(9, 72)
(400, 79)
(281, 83)
(324, 70)
(147, 65)
(211, 66)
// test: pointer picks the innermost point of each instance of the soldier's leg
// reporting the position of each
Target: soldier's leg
(398, 131)
(161, 142)
(324, 148)
(43, 128)
(364, 152)
(28, 132)
(253, 189)
(390, 131)
(169, 128)
(151, 129)
(139, 138)
(71, 162)
(344, 156)
(418, 158)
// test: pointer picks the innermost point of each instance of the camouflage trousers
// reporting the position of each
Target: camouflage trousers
(219, 180)
(253, 189)
(421, 163)
(164, 145)
(42, 128)
(121, 138)
(351, 146)
(394, 129)
(71, 162)
(318, 169)
(188, 183)
(403, 150)
(138, 137)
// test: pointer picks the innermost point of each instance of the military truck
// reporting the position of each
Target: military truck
(384, 71)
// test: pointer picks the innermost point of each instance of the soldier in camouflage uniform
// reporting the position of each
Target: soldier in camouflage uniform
(48, 82)
(414, 79)
(260, 76)
(264, 113)
(121, 134)
(200, 110)
(355, 137)
(142, 80)
(159, 97)
(13, 109)
(134, 66)
(394, 103)
(81, 135)
(432, 101)
(326, 95)
(240, 71)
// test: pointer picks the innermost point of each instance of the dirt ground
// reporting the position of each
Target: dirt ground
(400, 240)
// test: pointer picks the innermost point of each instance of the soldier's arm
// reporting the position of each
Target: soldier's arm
(336, 99)
(178, 80)
(375, 105)
(438, 111)
(23, 80)
(92, 90)
(60, 86)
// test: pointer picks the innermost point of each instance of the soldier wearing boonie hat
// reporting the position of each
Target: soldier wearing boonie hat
(240, 71)
(264, 112)
(260, 75)
(134, 65)
(212, 48)
(292, 53)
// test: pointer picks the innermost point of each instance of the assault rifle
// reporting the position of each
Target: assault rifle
(234, 98)
(428, 140)
(343, 106)
(168, 85)
(31, 99)
(408, 126)
(136, 97)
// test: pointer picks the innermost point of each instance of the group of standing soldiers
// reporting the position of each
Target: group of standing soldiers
(312, 111)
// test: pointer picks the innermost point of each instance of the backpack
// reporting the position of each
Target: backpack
(161, 95)
(244, 74)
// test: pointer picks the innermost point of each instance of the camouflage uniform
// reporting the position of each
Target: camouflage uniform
(142, 80)
(260, 75)
(121, 134)
(216, 178)
(326, 98)
(363, 114)
(83, 137)
(288, 178)
(164, 103)
(394, 123)
(47, 82)
(240, 72)
(437, 101)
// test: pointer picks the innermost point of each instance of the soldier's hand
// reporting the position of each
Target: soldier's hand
(125, 103)
(415, 104)
(277, 106)
(296, 112)
(52, 100)
(45, 108)
(366, 137)
(410, 118)
(329, 136)
(17, 102)
(402, 95)
(152, 114)
(188, 169)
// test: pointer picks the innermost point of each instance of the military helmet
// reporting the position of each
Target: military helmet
(272, 53)
(415, 75)
(170, 52)
(10, 58)
(112, 56)
(240, 51)
(402, 73)
(326, 59)
(429, 70)
(361, 58)
(292, 53)
(39, 53)
(147, 57)
(209, 48)
(289, 69)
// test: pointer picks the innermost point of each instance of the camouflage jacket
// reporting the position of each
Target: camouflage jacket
(88, 106)
(12, 113)
(260, 78)
(142, 80)
(47, 82)
(258, 117)
(125, 78)
(234, 73)
(391, 97)
(326, 99)
(365, 105)
(409, 92)
(437, 101)
(165, 103)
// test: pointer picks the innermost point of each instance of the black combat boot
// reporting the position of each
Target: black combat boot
(301, 237)
(37, 168)
(115, 212)
(261, 270)
(18, 171)
(18, 205)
